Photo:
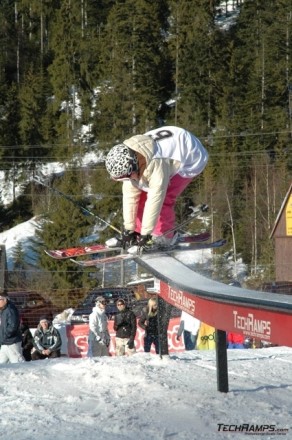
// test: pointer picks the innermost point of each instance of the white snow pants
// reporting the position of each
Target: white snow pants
(11, 353)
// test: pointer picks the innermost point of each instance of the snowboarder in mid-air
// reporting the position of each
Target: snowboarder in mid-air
(155, 169)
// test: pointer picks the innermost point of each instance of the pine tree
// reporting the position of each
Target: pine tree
(196, 49)
(64, 226)
(132, 69)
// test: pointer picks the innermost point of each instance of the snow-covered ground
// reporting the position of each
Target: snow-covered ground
(145, 398)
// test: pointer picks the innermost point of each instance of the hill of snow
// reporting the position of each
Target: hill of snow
(145, 398)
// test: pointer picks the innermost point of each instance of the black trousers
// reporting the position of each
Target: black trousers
(36, 355)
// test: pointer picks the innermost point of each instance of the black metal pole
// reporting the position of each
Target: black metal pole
(221, 361)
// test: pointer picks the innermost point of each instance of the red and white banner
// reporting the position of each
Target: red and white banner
(77, 339)
(267, 325)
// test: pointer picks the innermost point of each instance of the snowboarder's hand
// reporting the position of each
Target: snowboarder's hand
(177, 337)
(129, 238)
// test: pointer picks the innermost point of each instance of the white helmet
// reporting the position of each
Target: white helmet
(121, 162)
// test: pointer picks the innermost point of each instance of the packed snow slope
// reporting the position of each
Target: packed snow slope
(144, 397)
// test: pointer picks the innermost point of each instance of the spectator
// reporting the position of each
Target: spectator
(189, 326)
(99, 338)
(149, 322)
(235, 340)
(47, 341)
(27, 341)
(10, 335)
(125, 326)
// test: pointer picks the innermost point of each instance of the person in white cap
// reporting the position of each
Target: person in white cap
(99, 337)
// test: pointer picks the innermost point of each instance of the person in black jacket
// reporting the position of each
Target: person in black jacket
(149, 322)
(125, 325)
(10, 336)
(47, 341)
(27, 341)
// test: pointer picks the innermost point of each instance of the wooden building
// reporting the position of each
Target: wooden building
(282, 234)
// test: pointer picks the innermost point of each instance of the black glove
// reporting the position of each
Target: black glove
(129, 238)
(144, 241)
(131, 344)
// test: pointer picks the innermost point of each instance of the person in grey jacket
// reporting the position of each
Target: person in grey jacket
(10, 335)
(155, 169)
(47, 341)
(99, 337)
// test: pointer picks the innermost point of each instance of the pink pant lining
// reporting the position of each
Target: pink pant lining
(166, 218)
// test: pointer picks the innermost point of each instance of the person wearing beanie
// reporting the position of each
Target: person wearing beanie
(99, 337)
(125, 326)
(155, 168)
(10, 335)
(47, 341)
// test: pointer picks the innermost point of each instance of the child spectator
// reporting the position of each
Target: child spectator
(27, 341)
(235, 340)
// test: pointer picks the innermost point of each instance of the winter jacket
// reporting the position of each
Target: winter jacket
(235, 338)
(149, 323)
(27, 338)
(9, 325)
(98, 329)
(188, 323)
(125, 324)
(162, 153)
(27, 341)
(47, 339)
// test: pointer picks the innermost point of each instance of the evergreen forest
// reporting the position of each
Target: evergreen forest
(79, 76)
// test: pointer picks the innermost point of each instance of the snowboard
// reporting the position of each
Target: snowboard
(62, 254)
(178, 247)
